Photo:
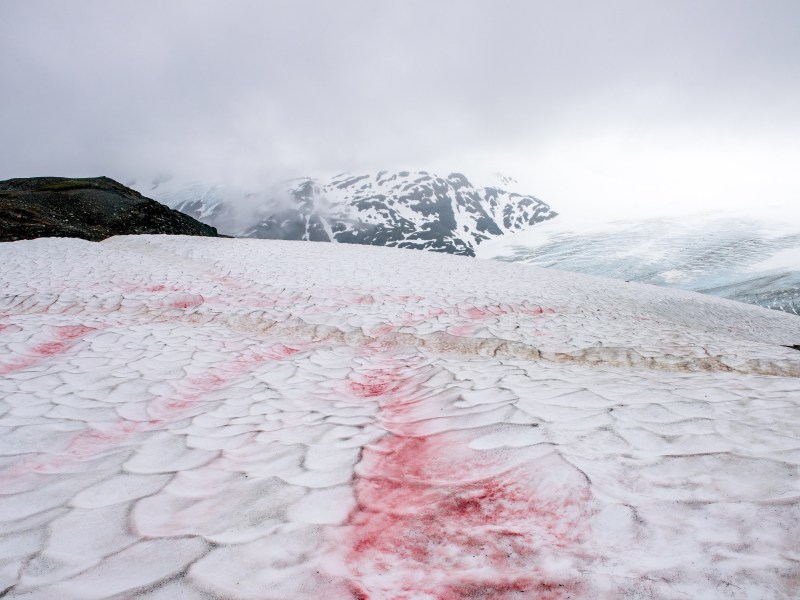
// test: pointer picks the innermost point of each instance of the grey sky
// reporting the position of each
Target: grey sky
(636, 103)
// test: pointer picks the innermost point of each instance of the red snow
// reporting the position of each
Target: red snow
(63, 338)
(192, 389)
(410, 319)
(406, 299)
(485, 312)
(358, 299)
(184, 302)
(376, 382)
(90, 443)
(50, 348)
(478, 313)
(470, 313)
(461, 330)
(84, 445)
(137, 288)
(435, 519)
(383, 329)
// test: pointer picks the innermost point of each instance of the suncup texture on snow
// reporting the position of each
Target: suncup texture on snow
(91, 209)
(188, 417)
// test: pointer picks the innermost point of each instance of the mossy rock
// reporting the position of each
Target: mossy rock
(66, 185)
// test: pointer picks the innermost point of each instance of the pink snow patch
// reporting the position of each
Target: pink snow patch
(383, 329)
(192, 389)
(485, 312)
(358, 299)
(90, 443)
(436, 519)
(181, 301)
(85, 445)
(471, 314)
(63, 338)
(461, 330)
(377, 382)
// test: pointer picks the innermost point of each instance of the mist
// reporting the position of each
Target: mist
(634, 106)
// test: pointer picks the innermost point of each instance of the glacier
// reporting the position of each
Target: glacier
(742, 255)
(232, 418)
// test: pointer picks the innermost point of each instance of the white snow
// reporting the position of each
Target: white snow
(212, 418)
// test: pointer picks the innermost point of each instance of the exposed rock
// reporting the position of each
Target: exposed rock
(92, 209)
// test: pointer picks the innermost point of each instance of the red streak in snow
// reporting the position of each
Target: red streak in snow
(471, 314)
(485, 312)
(359, 299)
(377, 382)
(85, 445)
(91, 443)
(63, 339)
(173, 300)
(461, 330)
(184, 302)
(435, 519)
(170, 408)
(383, 329)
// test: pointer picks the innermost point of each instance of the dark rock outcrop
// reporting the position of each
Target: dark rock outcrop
(91, 208)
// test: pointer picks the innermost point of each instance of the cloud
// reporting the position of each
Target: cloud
(251, 91)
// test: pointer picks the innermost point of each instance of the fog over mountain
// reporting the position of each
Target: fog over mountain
(405, 209)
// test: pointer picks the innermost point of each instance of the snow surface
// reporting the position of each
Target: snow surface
(212, 418)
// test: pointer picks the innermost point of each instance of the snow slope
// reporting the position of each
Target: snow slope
(212, 418)
(749, 258)
(407, 209)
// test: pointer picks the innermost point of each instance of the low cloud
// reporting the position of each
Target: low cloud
(252, 92)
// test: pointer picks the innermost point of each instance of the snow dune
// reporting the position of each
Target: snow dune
(212, 418)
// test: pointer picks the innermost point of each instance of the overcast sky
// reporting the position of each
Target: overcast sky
(588, 103)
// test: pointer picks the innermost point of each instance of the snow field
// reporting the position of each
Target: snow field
(209, 418)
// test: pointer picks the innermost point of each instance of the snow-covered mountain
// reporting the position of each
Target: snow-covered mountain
(749, 258)
(187, 417)
(404, 209)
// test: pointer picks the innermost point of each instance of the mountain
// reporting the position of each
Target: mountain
(193, 417)
(749, 258)
(404, 209)
(92, 209)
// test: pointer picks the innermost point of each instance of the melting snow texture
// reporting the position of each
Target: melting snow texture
(209, 418)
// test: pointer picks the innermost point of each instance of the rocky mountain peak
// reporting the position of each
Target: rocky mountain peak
(406, 209)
